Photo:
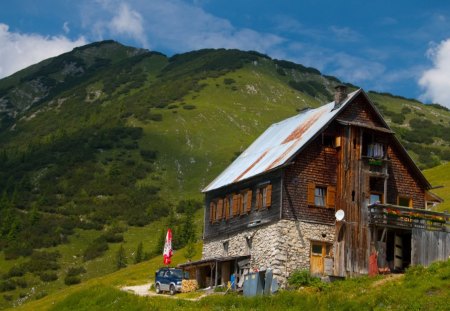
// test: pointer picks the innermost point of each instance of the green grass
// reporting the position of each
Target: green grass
(132, 275)
(72, 256)
(439, 176)
(419, 289)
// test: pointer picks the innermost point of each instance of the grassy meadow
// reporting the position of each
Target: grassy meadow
(419, 289)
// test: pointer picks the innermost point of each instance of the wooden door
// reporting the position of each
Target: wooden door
(319, 250)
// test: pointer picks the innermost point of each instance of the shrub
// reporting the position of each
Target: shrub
(112, 237)
(228, 81)
(48, 276)
(41, 295)
(21, 282)
(398, 118)
(7, 285)
(73, 271)
(72, 280)
(148, 155)
(406, 110)
(42, 261)
(156, 117)
(95, 249)
(303, 278)
(189, 107)
(17, 270)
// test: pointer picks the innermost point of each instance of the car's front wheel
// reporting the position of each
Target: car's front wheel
(172, 289)
(158, 289)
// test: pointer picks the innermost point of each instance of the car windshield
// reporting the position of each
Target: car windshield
(177, 273)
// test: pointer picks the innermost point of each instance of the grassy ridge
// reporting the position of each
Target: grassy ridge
(419, 289)
(132, 275)
(140, 131)
(439, 176)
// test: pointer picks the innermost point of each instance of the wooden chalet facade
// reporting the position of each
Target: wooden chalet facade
(276, 202)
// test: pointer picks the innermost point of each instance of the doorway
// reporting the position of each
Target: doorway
(320, 258)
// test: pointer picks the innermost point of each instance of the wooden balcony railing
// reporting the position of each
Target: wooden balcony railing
(405, 217)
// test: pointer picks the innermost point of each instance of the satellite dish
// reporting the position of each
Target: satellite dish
(340, 214)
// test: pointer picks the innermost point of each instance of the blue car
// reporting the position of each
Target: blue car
(169, 280)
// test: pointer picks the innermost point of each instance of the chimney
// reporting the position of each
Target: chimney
(339, 95)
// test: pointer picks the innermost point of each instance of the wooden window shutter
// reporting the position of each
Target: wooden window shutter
(219, 209)
(331, 196)
(249, 201)
(235, 204)
(311, 190)
(211, 212)
(269, 195)
(241, 204)
(227, 208)
(258, 199)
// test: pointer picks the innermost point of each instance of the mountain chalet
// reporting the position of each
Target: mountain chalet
(322, 190)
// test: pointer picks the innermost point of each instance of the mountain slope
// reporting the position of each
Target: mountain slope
(109, 135)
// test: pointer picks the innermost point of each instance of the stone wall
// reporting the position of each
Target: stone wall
(283, 246)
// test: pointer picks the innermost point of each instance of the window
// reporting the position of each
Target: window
(228, 207)
(375, 150)
(244, 202)
(404, 201)
(327, 140)
(373, 146)
(216, 210)
(316, 248)
(235, 205)
(264, 196)
(375, 197)
(219, 212)
(322, 196)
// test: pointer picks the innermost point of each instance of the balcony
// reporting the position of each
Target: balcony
(394, 216)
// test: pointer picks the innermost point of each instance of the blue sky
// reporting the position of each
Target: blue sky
(402, 47)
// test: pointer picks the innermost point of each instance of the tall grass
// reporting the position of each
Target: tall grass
(419, 289)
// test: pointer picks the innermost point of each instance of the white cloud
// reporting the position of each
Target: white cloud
(436, 81)
(66, 27)
(171, 25)
(128, 22)
(18, 50)
(345, 34)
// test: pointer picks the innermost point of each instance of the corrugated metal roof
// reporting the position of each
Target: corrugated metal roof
(278, 144)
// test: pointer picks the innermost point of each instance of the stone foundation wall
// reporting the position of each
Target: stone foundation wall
(283, 246)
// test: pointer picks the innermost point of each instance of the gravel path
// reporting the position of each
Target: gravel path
(144, 290)
(140, 290)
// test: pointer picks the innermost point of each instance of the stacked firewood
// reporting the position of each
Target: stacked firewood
(189, 286)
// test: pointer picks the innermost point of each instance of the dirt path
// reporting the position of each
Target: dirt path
(144, 290)
(140, 290)
(388, 278)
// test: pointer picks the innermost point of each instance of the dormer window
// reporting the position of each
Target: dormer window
(373, 146)
(375, 150)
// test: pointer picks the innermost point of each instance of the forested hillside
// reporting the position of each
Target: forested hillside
(108, 140)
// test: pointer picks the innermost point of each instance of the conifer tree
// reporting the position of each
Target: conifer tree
(139, 253)
(121, 259)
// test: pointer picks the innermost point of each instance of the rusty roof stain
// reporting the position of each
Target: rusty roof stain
(278, 144)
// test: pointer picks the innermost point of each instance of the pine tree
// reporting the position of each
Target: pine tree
(190, 251)
(121, 259)
(188, 227)
(139, 253)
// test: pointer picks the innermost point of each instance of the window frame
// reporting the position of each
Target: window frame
(329, 198)
(380, 194)
(405, 197)
(264, 194)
